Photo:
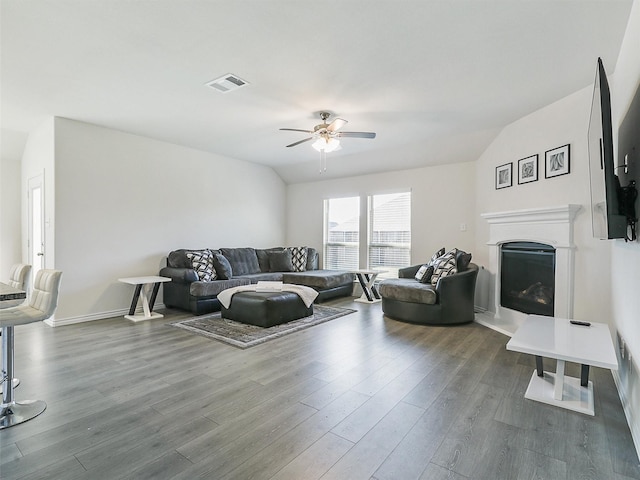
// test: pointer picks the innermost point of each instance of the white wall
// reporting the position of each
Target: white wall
(38, 159)
(11, 148)
(561, 123)
(442, 198)
(625, 257)
(123, 202)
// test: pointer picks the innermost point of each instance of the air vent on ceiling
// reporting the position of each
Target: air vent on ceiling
(226, 83)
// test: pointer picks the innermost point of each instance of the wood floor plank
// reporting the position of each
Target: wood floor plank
(231, 453)
(540, 467)
(69, 468)
(414, 453)
(165, 467)
(362, 396)
(369, 453)
(316, 460)
(278, 454)
(436, 472)
(140, 446)
(476, 435)
(360, 422)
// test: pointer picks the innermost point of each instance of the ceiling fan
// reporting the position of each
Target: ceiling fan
(326, 136)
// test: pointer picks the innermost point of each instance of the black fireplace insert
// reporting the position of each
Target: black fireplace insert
(527, 277)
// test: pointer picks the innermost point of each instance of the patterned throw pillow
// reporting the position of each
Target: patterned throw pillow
(436, 256)
(424, 273)
(421, 271)
(298, 258)
(202, 263)
(443, 266)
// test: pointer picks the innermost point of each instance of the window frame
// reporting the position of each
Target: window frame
(365, 223)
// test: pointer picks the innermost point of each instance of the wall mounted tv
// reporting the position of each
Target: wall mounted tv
(612, 207)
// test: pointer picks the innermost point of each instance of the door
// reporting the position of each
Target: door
(36, 223)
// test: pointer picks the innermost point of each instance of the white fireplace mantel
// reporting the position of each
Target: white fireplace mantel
(550, 225)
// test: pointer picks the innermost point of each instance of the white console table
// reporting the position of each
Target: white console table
(557, 338)
(147, 289)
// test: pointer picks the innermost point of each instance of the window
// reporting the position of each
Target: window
(389, 232)
(342, 233)
(388, 243)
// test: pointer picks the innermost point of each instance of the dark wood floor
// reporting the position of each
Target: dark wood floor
(360, 397)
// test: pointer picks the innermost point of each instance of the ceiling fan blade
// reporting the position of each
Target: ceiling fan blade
(296, 130)
(300, 141)
(336, 124)
(356, 134)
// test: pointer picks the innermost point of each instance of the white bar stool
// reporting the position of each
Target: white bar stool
(42, 304)
(18, 278)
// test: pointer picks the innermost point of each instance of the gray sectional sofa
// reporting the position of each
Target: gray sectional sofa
(244, 266)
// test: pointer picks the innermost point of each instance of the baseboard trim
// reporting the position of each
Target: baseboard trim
(634, 427)
(485, 322)
(60, 322)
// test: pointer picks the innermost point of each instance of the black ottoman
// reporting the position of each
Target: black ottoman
(266, 309)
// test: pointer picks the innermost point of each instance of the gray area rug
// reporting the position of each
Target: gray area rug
(244, 336)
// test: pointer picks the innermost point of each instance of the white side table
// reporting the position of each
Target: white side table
(147, 288)
(558, 338)
(367, 280)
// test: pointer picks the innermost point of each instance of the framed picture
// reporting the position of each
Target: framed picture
(504, 175)
(556, 162)
(528, 169)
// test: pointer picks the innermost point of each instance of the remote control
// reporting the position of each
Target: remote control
(576, 322)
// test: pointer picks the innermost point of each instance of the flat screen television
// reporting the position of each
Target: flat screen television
(607, 220)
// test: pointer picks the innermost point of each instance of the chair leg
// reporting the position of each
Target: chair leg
(15, 382)
(3, 379)
(11, 412)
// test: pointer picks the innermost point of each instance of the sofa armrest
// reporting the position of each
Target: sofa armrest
(179, 275)
(456, 292)
(409, 272)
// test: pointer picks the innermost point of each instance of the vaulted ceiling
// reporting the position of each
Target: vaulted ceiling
(436, 80)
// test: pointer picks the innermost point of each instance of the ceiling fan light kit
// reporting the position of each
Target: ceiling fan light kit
(328, 144)
(326, 137)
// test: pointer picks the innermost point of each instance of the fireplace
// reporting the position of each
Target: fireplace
(550, 226)
(527, 277)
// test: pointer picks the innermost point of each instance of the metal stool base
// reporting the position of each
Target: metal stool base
(18, 413)
(16, 382)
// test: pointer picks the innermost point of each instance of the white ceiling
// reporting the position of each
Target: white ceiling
(435, 79)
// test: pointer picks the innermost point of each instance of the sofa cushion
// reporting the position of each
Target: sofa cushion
(298, 258)
(407, 290)
(263, 257)
(280, 261)
(202, 263)
(319, 279)
(312, 258)
(242, 260)
(443, 266)
(264, 277)
(212, 289)
(222, 266)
